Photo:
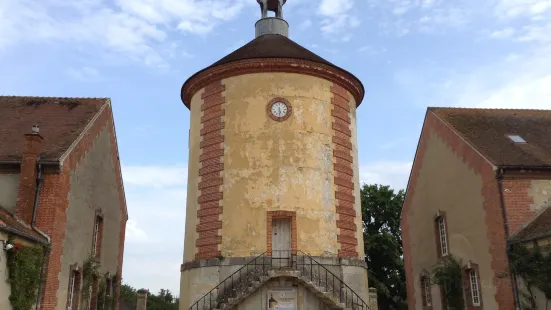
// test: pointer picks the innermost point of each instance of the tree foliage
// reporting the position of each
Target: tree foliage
(381, 208)
(164, 300)
(535, 270)
(448, 275)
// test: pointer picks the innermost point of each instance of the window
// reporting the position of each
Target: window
(443, 236)
(427, 297)
(96, 242)
(475, 293)
(516, 139)
(71, 293)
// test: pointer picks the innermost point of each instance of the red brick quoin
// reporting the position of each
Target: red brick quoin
(210, 173)
(54, 202)
(344, 173)
(494, 221)
(271, 215)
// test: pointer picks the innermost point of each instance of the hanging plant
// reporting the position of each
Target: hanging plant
(24, 274)
(448, 275)
(535, 270)
(90, 270)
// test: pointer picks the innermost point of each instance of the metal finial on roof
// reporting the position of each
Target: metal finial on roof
(271, 25)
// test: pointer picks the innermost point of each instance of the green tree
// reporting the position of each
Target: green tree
(129, 294)
(381, 208)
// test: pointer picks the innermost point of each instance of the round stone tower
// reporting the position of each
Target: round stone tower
(273, 164)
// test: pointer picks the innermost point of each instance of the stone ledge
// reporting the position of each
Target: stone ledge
(236, 261)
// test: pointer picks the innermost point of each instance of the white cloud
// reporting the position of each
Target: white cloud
(507, 9)
(136, 29)
(156, 199)
(336, 16)
(86, 74)
(393, 173)
(503, 33)
(155, 176)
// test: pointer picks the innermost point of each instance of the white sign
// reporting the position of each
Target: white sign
(282, 298)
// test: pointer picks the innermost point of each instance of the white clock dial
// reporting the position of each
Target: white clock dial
(279, 109)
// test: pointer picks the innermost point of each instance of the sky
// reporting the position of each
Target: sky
(410, 54)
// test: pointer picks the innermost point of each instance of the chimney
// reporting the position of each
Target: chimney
(27, 179)
(142, 299)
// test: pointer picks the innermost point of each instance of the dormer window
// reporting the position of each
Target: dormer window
(516, 139)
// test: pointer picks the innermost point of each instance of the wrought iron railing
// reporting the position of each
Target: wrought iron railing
(326, 280)
(317, 274)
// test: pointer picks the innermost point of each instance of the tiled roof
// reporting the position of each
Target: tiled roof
(7, 221)
(272, 46)
(487, 130)
(539, 227)
(61, 121)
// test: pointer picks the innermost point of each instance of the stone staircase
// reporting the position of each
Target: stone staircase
(331, 290)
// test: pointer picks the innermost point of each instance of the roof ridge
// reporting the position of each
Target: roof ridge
(53, 97)
(484, 109)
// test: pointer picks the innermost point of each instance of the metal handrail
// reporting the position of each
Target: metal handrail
(229, 287)
(224, 283)
(362, 304)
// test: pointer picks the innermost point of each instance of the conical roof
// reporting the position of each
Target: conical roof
(272, 47)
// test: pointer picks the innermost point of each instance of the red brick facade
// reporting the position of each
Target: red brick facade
(270, 216)
(344, 174)
(27, 181)
(211, 172)
(54, 202)
(517, 202)
(492, 205)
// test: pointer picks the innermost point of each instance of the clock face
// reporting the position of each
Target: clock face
(279, 109)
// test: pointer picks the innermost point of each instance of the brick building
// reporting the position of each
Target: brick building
(61, 186)
(480, 179)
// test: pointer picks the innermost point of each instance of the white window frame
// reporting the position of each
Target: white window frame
(72, 281)
(475, 291)
(96, 234)
(443, 236)
(427, 292)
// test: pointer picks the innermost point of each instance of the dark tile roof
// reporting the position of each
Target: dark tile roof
(271, 46)
(61, 121)
(487, 131)
(539, 227)
(9, 223)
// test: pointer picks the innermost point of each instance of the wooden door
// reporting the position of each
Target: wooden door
(281, 242)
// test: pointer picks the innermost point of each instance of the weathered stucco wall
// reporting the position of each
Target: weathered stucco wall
(270, 165)
(456, 190)
(9, 184)
(93, 186)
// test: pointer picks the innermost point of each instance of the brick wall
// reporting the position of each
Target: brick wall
(492, 205)
(517, 202)
(343, 172)
(54, 203)
(24, 206)
(211, 172)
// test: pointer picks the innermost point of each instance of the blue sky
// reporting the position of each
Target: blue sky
(409, 54)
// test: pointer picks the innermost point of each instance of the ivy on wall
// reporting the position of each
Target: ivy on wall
(534, 268)
(25, 274)
(448, 275)
(90, 270)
